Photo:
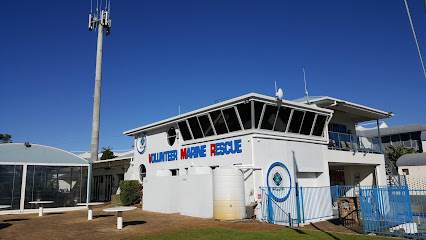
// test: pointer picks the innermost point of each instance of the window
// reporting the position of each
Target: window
(218, 122)
(171, 136)
(206, 125)
(184, 130)
(395, 138)
(195, 128)
(334, 127)
(269, 117)
(244, 110)
(308, 120)
(282, 119)
(296, 121)
(175, 172)
(231, 119)
(319, 125)
(142, 172)
(258, 108)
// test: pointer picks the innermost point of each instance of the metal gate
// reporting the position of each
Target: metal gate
(387, 210)
(280, 205)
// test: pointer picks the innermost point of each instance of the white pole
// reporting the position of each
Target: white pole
(90, 214)
(23, 186)
(120, 220)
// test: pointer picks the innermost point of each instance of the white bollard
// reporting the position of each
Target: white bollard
(120, 220)
(90, 214)
(40, 211)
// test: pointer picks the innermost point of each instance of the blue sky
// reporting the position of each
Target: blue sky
(162, 54)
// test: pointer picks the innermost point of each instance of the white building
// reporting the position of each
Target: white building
(274, 143)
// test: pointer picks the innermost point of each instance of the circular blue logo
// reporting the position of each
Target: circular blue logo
(141, 143)
(279, 182)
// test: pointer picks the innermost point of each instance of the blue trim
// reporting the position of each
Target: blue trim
(267, 182)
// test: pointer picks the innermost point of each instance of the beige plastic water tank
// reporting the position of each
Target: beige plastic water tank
(228, 194)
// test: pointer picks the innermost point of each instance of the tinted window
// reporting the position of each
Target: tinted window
(335, 127)
(258, 107)
(395, 138)
(171, 136)
(282, 119)
(296, 121)
(385, 139)
(218, 122)
(206, 125)
(244, 110)
(405, 137)
(195, 127)
(269, 117)
(308, 120)
(319, 125)
(231, 119)
(183, 127)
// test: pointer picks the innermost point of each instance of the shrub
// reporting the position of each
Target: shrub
(129, 192)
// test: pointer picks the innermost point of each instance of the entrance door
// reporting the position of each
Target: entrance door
(108, 187)
(96, 187)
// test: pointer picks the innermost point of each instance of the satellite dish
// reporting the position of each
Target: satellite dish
(279, 94)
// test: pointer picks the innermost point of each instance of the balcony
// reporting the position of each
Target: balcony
(347, 142)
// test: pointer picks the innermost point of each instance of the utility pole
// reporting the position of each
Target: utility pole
(101, 22)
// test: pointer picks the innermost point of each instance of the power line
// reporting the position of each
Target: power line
(415, 37)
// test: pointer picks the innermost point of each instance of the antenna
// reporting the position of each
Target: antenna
(278, 94)
(179, 109)
(306, 90)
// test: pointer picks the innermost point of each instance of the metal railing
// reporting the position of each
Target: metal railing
(347, 142)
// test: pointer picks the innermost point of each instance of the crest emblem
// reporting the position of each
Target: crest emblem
(141, 143)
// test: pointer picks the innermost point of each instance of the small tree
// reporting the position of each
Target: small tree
(6, 138)
(107, 153)
(395, 152)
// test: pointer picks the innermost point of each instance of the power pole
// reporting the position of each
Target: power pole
(101, 22)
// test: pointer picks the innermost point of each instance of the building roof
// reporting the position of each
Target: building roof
(220, 105)
(356, 112)
(372, 132)
(119, 156)
(19, 153)
(414, 159)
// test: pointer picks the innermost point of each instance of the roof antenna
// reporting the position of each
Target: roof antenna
(278, 94)
(306, 90)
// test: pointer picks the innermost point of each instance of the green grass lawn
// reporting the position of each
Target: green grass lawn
(226, 233)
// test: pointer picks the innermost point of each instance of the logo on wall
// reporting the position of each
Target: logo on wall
(279, 182)
(141, 143)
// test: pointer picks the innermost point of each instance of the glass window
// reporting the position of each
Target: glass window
(231, 119)
(244, 110)
(296, 121)
(258, 107)
(62, 184)
(335, 127)
(395, 138)
(415, 135)
(405, 137)
(184, 130)
(269, 117)
(142, 172)
(282, 119)
(385, 139)
(319, 125)
(175, 172)
(308, 120)
(218, 122)
(10, 185)
(342, 129)
(171, 136)
(195, 128)
(206, 125)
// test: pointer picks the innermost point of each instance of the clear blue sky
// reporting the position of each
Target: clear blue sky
(162, 54)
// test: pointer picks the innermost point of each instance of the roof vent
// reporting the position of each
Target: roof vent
(27, 144)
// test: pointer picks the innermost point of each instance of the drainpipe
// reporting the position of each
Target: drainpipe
(380, 138)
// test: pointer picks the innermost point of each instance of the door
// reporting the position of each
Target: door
(96, 187)
(108, 187)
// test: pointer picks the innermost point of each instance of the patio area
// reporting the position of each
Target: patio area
(74, 225)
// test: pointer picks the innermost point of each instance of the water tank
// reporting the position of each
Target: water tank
(228, 194)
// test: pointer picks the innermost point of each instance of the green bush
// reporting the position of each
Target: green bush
(129, 192)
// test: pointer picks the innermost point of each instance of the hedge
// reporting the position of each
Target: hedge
(129, 192)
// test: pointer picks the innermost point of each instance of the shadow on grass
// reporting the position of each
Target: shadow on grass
(133, 223)
(102, 216)
(296, 230)
(4, 225)
(329, 234)
(16, 220)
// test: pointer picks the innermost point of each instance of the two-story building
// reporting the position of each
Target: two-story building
(273, 142)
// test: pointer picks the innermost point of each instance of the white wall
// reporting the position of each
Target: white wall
(161, 194)
(196, 195)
